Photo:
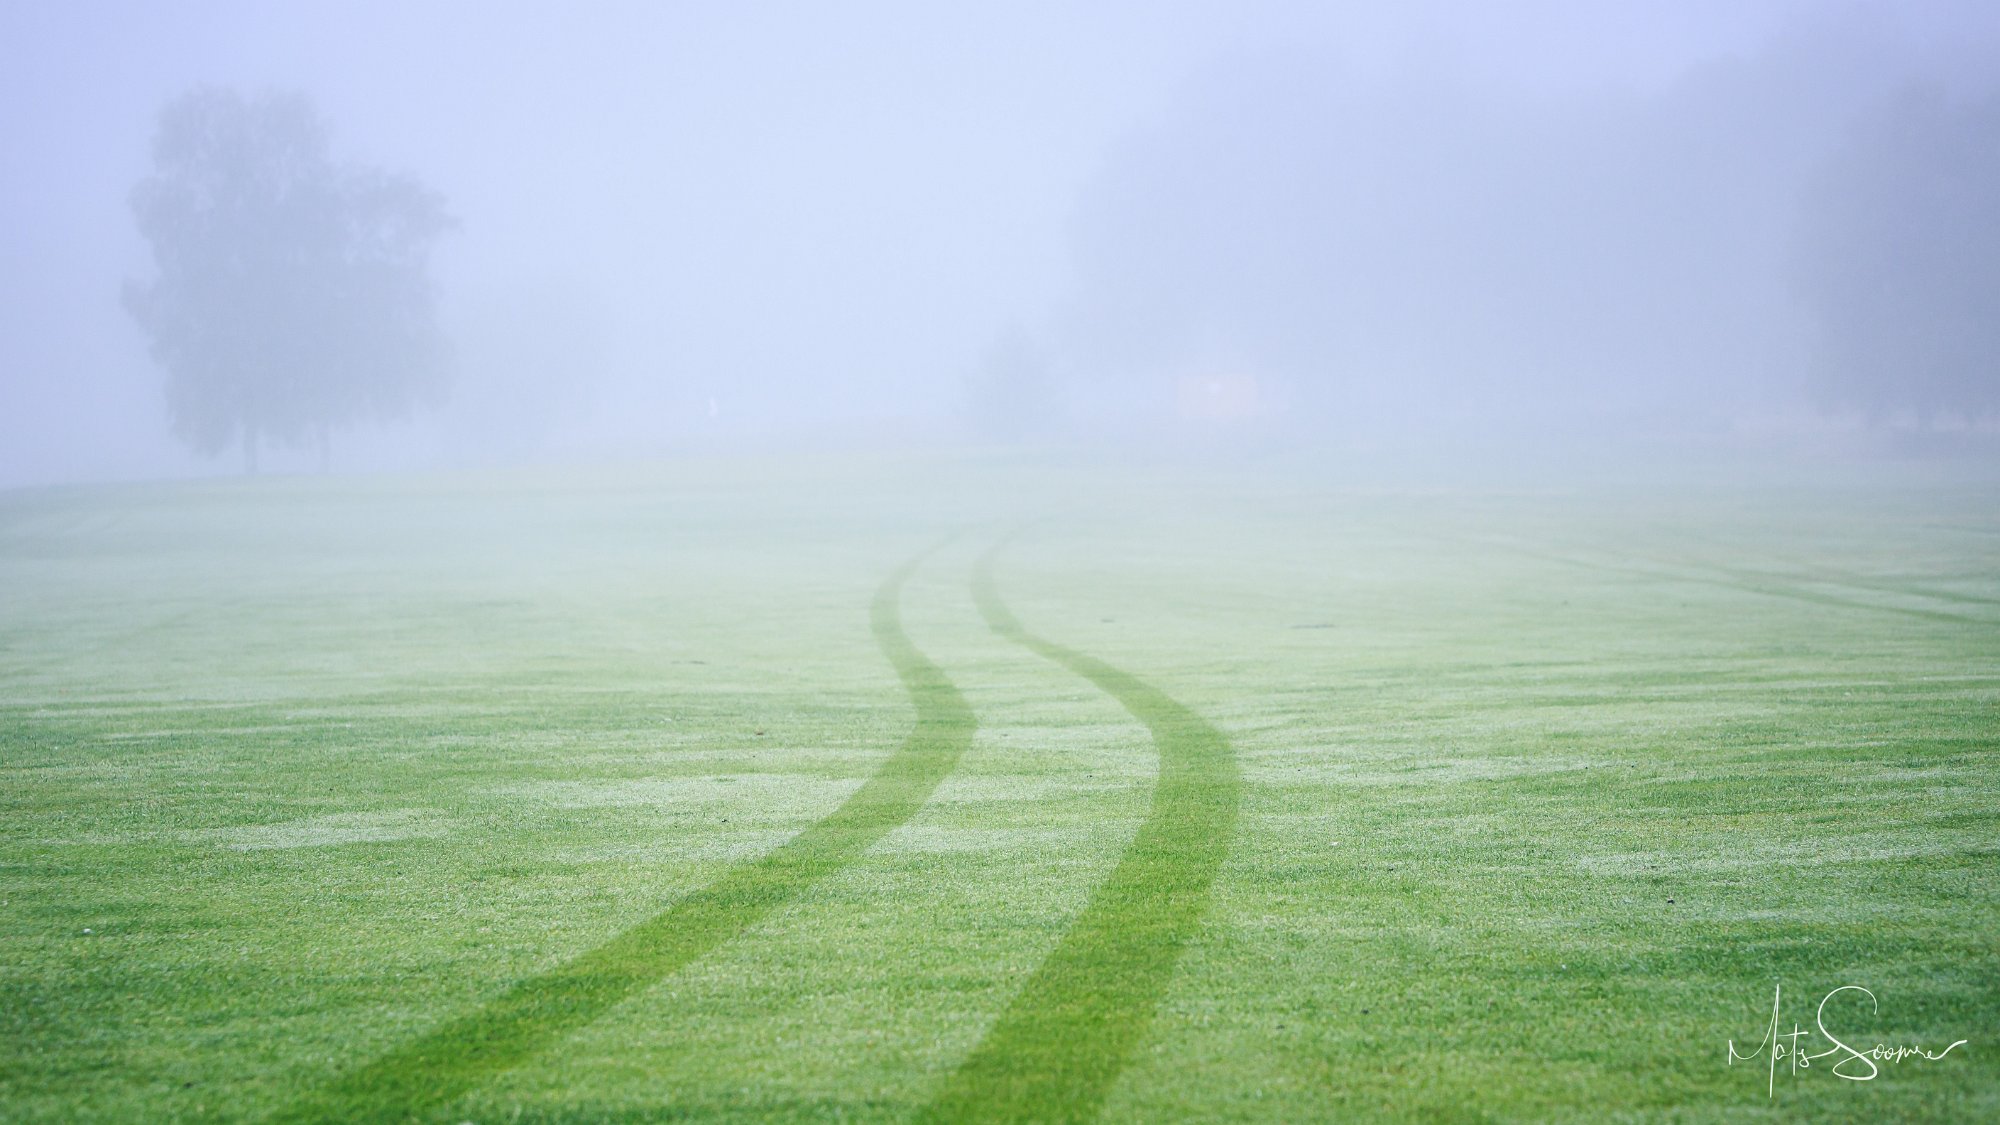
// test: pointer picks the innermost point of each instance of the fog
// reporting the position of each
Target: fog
(1361, 228)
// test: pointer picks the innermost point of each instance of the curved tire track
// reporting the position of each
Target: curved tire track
(1052, 1055)
(535, 1012)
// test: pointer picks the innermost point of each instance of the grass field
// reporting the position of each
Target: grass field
(894, 790)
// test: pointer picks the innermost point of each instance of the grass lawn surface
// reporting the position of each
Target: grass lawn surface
(951, 789)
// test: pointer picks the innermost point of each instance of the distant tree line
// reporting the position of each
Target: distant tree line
(1898, 259)
(1809, 218)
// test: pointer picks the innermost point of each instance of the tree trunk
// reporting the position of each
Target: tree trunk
(250, 450)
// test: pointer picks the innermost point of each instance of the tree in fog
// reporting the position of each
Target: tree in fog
(1009, 394)
(293, 292)
(1898, 261)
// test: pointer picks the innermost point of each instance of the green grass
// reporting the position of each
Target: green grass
(539, 1010)
(1053, 1054)
(556, 798)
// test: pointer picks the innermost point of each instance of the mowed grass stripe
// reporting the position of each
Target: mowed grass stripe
(1762, 583)
(537, 1011)
(1055, 1051)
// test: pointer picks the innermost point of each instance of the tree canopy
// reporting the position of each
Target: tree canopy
(1898, 260)
(293, 292)
(1010, 394)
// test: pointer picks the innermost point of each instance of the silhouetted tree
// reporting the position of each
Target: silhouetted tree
(1898, 260)
(293, 293)
(1010, 394)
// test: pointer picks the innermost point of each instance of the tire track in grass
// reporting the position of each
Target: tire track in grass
(1053, 1054)
(537, 1011)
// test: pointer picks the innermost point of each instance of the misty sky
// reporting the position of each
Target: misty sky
(679, 220)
